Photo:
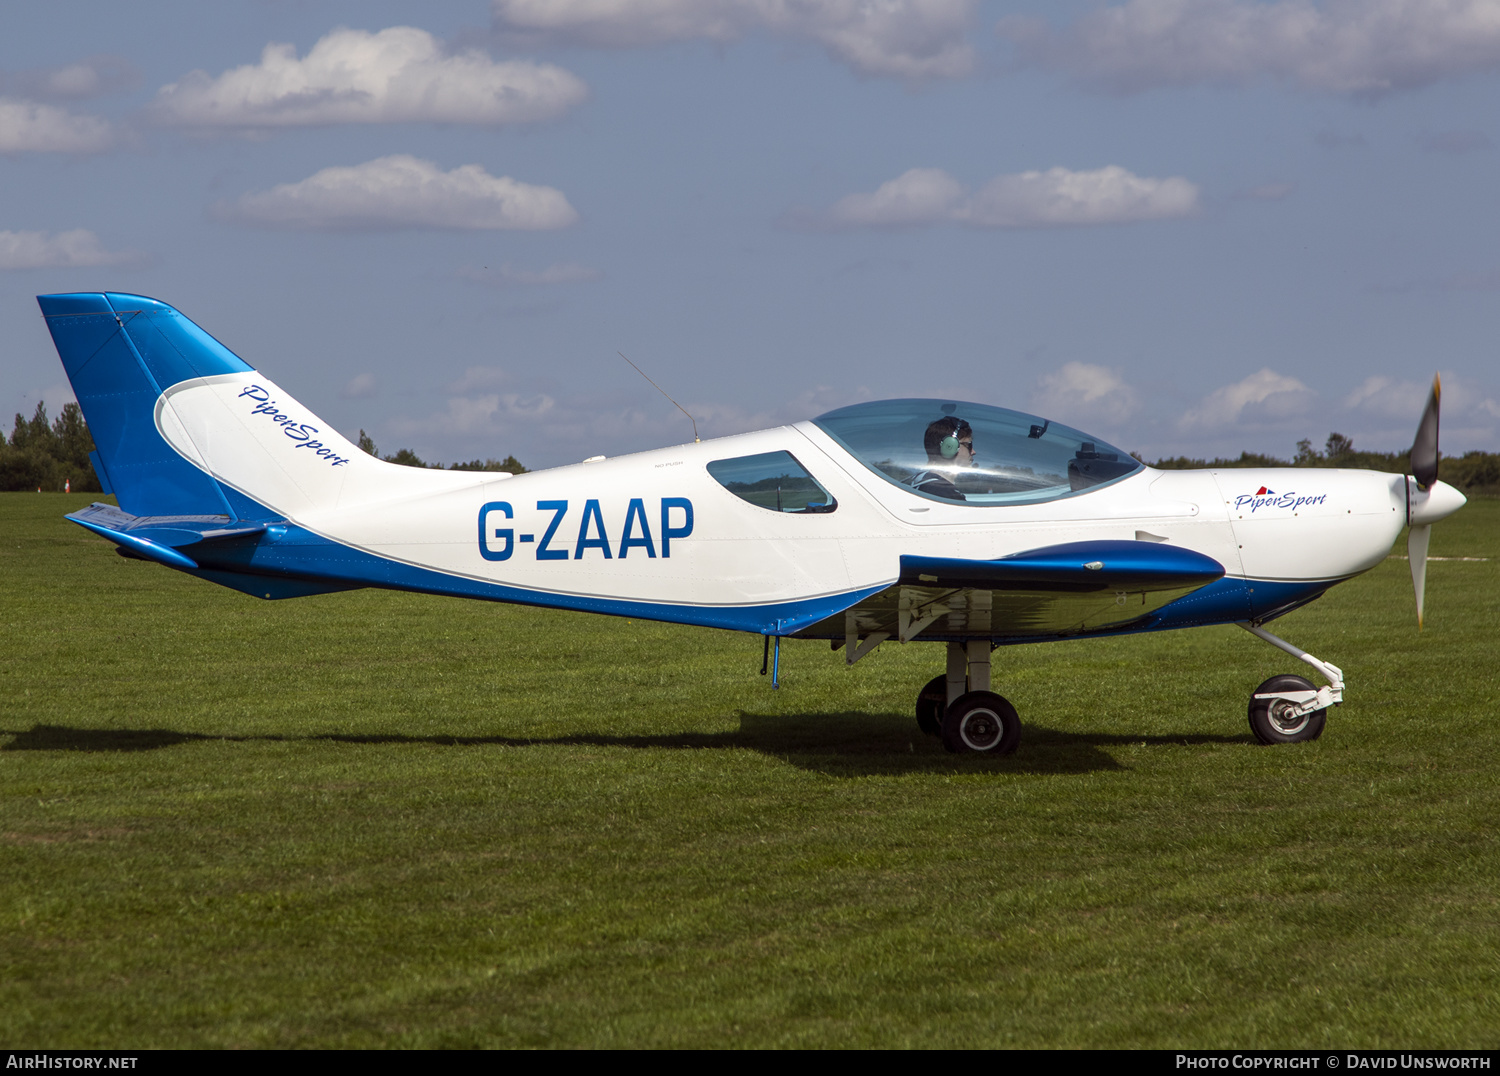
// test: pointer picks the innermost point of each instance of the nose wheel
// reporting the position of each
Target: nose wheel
(1276, 716)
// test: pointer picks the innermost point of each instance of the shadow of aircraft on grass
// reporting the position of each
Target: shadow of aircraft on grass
(837, 744)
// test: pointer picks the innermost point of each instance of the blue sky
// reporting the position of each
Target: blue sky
(1188, 226)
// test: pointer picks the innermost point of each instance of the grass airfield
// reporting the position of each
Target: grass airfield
(379, 819)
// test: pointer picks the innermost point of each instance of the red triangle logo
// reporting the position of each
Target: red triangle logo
(1263, 491)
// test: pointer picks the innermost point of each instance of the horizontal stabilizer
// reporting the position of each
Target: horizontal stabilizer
(1075, 566)
(141, 546)
(172, 531)
(209, 547)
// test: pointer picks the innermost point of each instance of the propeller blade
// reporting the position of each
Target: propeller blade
(1424, 450)
(1416, 551)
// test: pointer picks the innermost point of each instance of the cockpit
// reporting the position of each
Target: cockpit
(974, 454)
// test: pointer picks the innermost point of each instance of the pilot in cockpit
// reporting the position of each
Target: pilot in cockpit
(949, 443)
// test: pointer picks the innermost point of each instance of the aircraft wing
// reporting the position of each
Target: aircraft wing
(1054, 591)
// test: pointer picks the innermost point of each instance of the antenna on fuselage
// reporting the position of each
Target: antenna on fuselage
(663, 391)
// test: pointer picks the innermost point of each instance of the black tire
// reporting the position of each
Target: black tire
(932, 700)
(981, 722)
(1266, 715)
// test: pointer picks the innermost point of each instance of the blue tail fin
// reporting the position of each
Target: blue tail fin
(121, 352)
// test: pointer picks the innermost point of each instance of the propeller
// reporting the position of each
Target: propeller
(1424, 450)
(1416, 552)
(1424, 468)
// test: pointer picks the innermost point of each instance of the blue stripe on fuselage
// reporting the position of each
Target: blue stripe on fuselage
(292, 551)
(1230, 600)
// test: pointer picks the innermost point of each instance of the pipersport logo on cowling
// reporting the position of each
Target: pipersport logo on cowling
(1269, 498)
(301, 432)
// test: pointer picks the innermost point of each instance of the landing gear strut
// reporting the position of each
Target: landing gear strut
(1288, 709)
(960, 707)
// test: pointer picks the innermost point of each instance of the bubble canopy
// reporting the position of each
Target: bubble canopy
(924, 446)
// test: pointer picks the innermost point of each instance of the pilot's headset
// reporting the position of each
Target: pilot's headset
(948, 446)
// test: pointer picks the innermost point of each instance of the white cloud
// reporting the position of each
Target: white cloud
(510, 276)
(1263, 397)
(486, 414)
(1382, 413)
(490, 414)
(1403, 401)
(404, 192)
(1080, 392)
(1057, 197)
(1389, 398)
(399, 75)
(721, 419)
(29, 127)
(79, 248)
(479, 378)
(93, 76)
(360, 387)
(907, 39)
(919, 196)
(1341, 46)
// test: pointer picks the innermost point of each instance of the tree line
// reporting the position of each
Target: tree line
(49, 455)
(407, 458)
(1473, 472)
(52, 455)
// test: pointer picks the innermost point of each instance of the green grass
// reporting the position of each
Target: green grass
(377, 819)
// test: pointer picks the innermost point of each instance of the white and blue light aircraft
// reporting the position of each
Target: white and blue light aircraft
(906, 520)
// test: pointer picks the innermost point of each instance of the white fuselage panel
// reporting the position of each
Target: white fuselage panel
(657, 527)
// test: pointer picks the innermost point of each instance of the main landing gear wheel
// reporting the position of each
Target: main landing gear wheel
(1274, 720)
(981, 722)
(932, 700)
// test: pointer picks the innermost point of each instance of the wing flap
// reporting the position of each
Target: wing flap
(1053, 591)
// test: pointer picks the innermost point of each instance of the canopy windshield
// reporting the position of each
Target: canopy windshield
(970, 453)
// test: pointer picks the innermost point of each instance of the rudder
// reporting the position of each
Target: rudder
(121, 352)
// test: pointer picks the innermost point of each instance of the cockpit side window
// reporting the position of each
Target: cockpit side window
(774, 481)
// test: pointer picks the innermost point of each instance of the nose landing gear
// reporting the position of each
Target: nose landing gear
(960, 708)
(1288, 709)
